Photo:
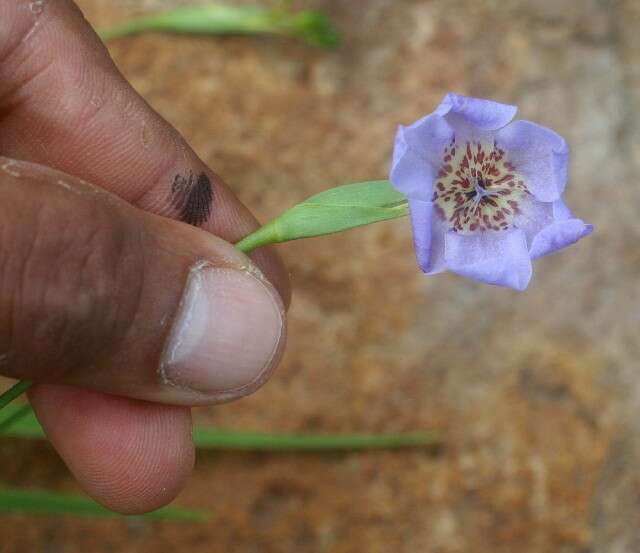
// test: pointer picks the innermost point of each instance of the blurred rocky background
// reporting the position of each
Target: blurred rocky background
(536, 394)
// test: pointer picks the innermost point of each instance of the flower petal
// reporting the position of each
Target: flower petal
(534, 216)
(499, 258)
(539, 154)
(428, 237)
(417, 156)
(410, 173)
(561, 211)
(484, 115)
(558, 235)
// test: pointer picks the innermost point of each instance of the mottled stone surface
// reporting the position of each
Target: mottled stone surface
(537, 394)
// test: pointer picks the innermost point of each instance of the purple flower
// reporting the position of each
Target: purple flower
(484, 192)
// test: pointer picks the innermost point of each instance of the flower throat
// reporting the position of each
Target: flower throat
(477, 188)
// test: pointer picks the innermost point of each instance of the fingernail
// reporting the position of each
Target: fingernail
(226, 335)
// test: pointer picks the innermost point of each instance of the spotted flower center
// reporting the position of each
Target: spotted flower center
(477, 188)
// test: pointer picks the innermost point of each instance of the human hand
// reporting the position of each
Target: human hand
(122, 315)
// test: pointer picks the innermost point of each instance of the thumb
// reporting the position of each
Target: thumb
(99, 294)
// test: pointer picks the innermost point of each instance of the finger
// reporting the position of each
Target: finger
(130, 455)
(64, 104)
(97, 293)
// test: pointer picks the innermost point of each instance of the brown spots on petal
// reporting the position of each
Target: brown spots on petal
(475, 187)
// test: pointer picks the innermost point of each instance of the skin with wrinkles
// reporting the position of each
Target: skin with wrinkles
(64, 105)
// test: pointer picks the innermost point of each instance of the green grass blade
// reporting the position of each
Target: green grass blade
(51, 503)
(209, 438)
(217, 19)
(15, 391)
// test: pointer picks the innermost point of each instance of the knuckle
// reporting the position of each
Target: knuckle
(15, 24)
(20, 63)
(71, 285)
(19, 21)
(30, 60)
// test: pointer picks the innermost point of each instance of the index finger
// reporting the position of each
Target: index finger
(64, 104)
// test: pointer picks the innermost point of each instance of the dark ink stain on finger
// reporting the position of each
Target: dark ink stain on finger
(192, 197)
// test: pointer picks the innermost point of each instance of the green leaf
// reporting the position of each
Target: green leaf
(211, 438)
(311, 26)
(44, 502)
(331, 211)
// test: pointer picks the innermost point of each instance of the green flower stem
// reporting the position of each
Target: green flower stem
(15, 391)
(219, 19)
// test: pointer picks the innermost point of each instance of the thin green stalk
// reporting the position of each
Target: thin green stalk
(209, 438)
(204, 438)
(15, 391)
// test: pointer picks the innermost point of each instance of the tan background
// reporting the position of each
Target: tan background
(537, 394)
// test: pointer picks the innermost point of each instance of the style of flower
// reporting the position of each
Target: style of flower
(484, 192)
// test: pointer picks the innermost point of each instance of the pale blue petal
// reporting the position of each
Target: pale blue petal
(428, 237)
(561, 211)
(417, 156)
(410, 173)
(558, 235)
(539, 154)
(533, 217)
(499, 258)
(429, 136)
(484, 115)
